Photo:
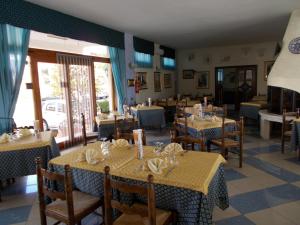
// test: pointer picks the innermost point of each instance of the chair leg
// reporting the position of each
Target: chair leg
(282, 145)
(298, 154)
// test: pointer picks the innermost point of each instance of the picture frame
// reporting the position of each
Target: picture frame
(202, 79)
(157, 86)
(130, 82)
(167, 80)
(142, 78)
(188, 74)
(267, 68)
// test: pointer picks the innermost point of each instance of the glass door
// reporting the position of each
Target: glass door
(54, 100)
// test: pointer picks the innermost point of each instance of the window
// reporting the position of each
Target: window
(168, 63)
(50, 107)
(143, 60)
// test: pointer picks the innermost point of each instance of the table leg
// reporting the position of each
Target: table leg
(265, 129)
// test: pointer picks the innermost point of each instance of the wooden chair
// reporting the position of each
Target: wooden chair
(129, 136)
(136, 213)
(179, 129)
(286, 129)
(188, 142)
(68, 206)
(231, 139)
(87, 137)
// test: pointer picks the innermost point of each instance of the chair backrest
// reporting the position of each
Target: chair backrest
(110, 203)
(236, 132)
(180, 125)
(189, 143)
(124, 124)
(287, 121)
(46, 181)
(84, 137)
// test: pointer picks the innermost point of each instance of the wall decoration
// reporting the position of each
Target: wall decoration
(157, 87)
(142, 79)
(167, 80)
(130, 82)
(202, 79)
(188, 74)
(294, 46)
(267, 70)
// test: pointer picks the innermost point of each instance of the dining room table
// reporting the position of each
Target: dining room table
(149, 116)
(207, 128)
(106, 124)
(17, 155)
(192, 187)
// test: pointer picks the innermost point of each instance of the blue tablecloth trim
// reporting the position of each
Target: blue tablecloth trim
(154, 118)
(22, 162)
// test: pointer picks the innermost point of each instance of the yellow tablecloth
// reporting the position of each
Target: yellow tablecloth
(205, 124)
(109, 120)
(28, 142)
(153, 107)
(194, 171)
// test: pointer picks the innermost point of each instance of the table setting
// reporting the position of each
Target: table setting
(187, 181)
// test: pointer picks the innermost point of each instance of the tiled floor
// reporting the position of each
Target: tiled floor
(266, 191)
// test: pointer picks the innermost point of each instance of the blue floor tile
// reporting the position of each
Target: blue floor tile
(266, 198)
(14, 215)
(272, 169)
(261, 150)
(231, 174)
(237, 220)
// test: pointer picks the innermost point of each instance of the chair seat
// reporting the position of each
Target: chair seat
(162, 216)
(83, 205)
(227, 142)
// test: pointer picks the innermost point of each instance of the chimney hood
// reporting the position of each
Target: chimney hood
(285, 72)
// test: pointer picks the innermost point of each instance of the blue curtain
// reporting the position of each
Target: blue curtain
(143, 60)
(168, 63)
(117, 59)
(14, 43)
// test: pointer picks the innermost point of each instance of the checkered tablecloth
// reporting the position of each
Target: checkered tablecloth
(295, 138)
(250, 111)
(17, 163)
(192, 207)
(150, 118)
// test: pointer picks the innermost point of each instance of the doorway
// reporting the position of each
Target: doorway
(235, 84)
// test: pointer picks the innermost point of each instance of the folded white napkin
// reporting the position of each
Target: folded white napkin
(4, 138)
(92, 156)
(120, 143)
(156, 165)
(216, 119)
(24, 132)
(172, 147)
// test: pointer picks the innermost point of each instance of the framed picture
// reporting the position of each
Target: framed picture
(167, 80)
(188, 74)
(202, 79)
(267, 70)
(142, 78)
(157, 87)
(130, 82)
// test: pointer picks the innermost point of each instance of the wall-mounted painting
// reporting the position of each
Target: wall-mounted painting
(142, 78)
(157, 87)
(130, 82)
(267, 70)
(167, 80)
(188, 74)
(202, 79)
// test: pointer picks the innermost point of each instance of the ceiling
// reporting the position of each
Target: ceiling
(186, 23)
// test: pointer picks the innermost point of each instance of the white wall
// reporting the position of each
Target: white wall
(144, 94)
(250, 54)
